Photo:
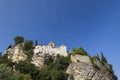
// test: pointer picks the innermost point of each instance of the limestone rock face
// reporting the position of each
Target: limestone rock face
(85, 70)
(16, 54)
(38, 59)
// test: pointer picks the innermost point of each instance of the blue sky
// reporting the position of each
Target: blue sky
(91, 24)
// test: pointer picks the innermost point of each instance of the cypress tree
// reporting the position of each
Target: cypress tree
(103, 58)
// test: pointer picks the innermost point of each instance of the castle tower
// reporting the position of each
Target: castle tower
(51, 44)
(63, 50)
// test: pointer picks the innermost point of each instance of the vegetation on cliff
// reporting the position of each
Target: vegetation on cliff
(54, 67)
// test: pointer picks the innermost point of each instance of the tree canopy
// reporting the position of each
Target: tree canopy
(18, 39)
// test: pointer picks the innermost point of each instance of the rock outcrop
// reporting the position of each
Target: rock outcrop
(38, 59)
(16, 53)
(87, 70)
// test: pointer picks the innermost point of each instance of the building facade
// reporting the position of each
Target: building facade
(51, 49)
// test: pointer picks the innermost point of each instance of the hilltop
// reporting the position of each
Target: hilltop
(26, 60)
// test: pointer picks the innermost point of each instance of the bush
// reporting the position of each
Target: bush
(24, 77)
(28, 68)
(56, 68)
(59, 75)
(80, 51)
(61, 63)
(49, 60)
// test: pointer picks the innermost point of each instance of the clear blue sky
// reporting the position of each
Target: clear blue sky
(92, 24)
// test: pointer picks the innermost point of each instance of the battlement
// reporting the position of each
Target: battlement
(51, 49)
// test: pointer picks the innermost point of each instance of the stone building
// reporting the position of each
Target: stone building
(51, 49)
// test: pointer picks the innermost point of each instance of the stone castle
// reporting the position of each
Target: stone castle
(51, 49)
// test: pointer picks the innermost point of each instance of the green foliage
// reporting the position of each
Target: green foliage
(59, 75)
(10, 46)
(61, 63)
(28, 49)
(80, 51)
(109, 69)
(98, 57)
(36, 43)
(24, 77)
(29, 55)
(18, 40)
(28, 45)
(6, 73)
(69, 55)
(103, 58)
(56, 68)
(28, 68)
(5, 60)
(92, 61)
(45, 74)
(49, 60)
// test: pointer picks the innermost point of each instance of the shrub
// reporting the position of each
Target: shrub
(59, 75)
(80, 51)
(24, 77)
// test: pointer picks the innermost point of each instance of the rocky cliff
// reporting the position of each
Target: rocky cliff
(86, 71)
(16, 53)
(82, 67)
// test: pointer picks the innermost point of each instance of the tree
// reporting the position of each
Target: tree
(36, 43)
(6, 73)
(28, 68)
(28, 48)
(18, 40)
(98, 57)
(10, 46)
(103, 58)
(28, 45)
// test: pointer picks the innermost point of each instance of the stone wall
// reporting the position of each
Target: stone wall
(62, 50)
(80, 58)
